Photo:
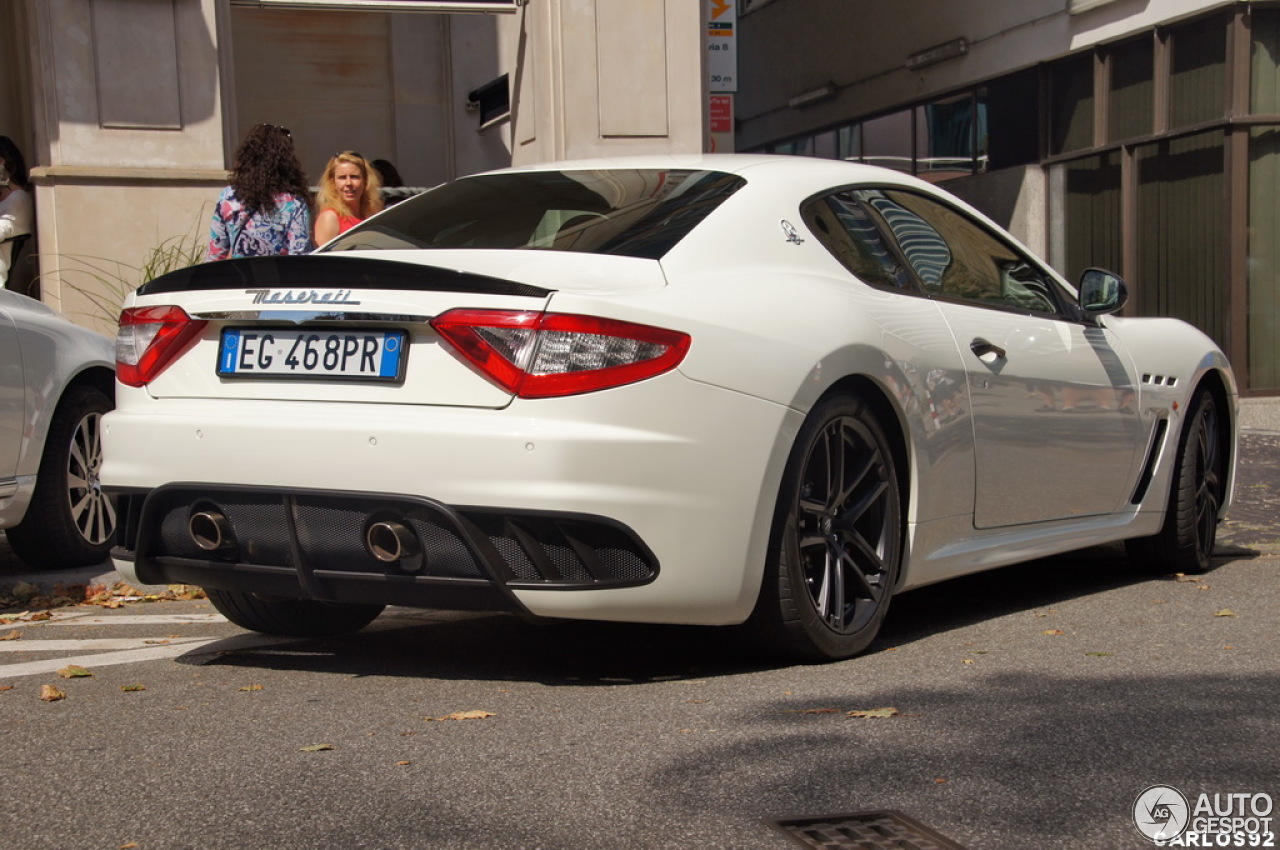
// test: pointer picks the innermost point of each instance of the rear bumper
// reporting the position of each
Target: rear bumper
(316, 544)
(675, 480)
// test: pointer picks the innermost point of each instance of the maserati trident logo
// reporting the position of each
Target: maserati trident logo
(789, 231)
(301, 296)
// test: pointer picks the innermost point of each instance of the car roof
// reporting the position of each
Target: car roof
(801, 173)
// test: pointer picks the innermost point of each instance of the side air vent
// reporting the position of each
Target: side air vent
(1149, 467)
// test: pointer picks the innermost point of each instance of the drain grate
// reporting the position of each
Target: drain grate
(883, 830)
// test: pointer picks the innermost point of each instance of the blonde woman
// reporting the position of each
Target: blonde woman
(350, 192)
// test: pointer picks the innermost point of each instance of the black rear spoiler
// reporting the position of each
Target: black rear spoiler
(332, 271)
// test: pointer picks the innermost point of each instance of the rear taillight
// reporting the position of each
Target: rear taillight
(541, 355)
(149, 339)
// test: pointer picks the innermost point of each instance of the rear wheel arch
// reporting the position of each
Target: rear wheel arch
(892, 421)
(838, 531)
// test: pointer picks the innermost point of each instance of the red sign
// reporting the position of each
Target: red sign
(721, 112)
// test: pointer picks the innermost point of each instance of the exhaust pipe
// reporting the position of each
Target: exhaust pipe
(393, 542)
(211, 531)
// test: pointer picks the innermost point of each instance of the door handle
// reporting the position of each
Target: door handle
(986, 351)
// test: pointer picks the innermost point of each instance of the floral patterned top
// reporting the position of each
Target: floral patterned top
(236, 233)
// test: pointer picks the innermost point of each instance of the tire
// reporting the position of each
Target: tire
(836, 544)
(292, 617)
(1185, 543)
(70, 521)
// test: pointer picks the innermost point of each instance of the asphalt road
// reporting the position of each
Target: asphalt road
(1034, 704)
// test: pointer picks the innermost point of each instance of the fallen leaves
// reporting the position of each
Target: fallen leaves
(49, 693)
(12, 634)
(74, 671)
(857, 713)
(132, 688)
(249, 688)
(315, 748)
(62, 595)
(874, 713)
(1053, 632)
(475, 714)
(1225, 612)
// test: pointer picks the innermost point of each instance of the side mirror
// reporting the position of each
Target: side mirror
(1102, 292)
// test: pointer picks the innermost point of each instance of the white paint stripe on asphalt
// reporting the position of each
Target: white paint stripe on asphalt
(106, 659)
(89, 644)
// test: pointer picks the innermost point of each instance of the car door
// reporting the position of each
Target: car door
(1053, 398)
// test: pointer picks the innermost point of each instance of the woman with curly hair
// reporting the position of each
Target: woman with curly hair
(350, 191)
(264, 212)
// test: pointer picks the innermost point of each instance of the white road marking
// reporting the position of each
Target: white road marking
(106, 659)
(95, 652)
(95, 644)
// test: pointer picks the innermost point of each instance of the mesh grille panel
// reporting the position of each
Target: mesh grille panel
(333, 537)
(449, 556)
(331, 528)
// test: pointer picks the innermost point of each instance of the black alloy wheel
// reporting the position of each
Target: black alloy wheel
(837, 537)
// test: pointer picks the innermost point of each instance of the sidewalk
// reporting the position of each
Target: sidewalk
(1260, 415)
(1253, 527)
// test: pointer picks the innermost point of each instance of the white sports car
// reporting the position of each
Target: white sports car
(703, 390)
(56, 383)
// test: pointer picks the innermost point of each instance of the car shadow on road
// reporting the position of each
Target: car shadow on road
(466, 646)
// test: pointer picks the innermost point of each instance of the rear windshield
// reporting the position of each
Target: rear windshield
(630, 212)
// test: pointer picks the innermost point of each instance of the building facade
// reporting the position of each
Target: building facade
(129, 111)
(1135, 135)
(1140, 135)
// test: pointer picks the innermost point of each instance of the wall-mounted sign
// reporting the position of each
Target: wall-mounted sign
(722, 46)
(464, 6)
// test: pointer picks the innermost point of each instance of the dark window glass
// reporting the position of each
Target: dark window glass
(887, 141)
(846, 229)
(1131, 107)
(1071, 104)
(795, 147)
(948, 132)
(849, 142)
(1012, 105)
(634, 213)
(1197, 83)
(958, 259)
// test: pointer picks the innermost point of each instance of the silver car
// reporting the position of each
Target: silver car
(56, 382)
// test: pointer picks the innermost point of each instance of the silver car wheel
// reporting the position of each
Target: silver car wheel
(92, 513)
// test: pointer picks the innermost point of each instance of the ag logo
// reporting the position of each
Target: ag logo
(1160, 813)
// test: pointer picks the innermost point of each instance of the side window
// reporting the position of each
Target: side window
(845, 229)
(958, 259)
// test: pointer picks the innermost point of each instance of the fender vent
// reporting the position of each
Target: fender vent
(1160, 380)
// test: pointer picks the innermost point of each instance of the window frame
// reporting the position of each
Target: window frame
(1064, 302)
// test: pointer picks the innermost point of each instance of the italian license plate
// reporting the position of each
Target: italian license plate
(329, 353)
